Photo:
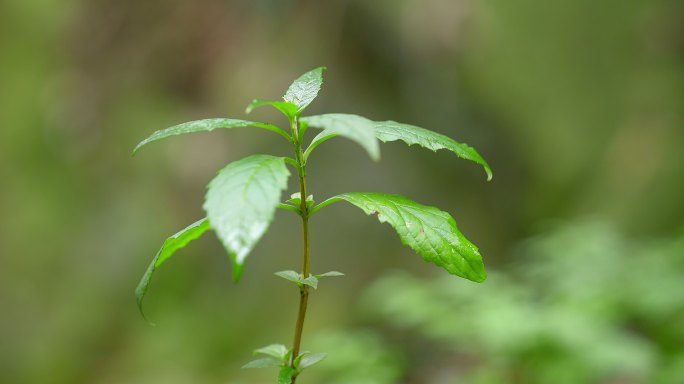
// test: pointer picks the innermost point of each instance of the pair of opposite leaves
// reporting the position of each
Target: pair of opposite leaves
(241, 200)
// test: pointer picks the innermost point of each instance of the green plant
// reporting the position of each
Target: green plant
(241, 201)
(580, 302)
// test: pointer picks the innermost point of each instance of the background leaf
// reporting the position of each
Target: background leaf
(170, 246)
(353, 127)
(241, 200)
(430, 232)
(410, 134)
(305, 88)
(206, 125)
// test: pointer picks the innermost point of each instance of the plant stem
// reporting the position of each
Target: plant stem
(306, 267)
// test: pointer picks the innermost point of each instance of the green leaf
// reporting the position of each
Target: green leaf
(241, 201)
(290, 207)
(267, 362)
(277, 351)
(391, 130)
(296, 200)
(291, 276)
(353, 127)
(311, 281)
(330, 274)
(430, 232)
(286, 108)
(305, 89)
(286, 374)
(170, 246)
(311, 359)
(207, 125)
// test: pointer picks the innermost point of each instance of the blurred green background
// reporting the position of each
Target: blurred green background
(578, 106)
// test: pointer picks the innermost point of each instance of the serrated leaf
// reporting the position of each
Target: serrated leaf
(241, 201)
(330, 274)
(170, 246)
(286, 374)
(286, 108)
(430, 232)
(267, 362)
(305, 88)
(291, 276)
(206, 125)
(353, 127)
(311, 359)
(277, 351)
(311, 281)
(391, 130)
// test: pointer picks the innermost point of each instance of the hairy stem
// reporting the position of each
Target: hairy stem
(306, 267)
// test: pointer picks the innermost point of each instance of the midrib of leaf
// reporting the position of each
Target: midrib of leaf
(251, 178)
(305, 88)
(413, 135)
(353, 127)
(436, 236)
(241, 202)
(207, 125)
(169, 247)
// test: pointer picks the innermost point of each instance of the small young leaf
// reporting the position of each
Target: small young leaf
(207, 125)
(353, 127)
(330, 274)
(289, 207)
(277, 351)
(295, 199)
(241, 201)
(286, 374)
(291, 276)
(170, 246)
(430, 232)
(286, 108)
(267, 362)
(311, 281)
(311, 359)
(305, 89)
(391, 130)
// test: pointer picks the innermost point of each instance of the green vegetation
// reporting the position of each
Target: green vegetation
(242, 199)
(576, 104)
(582, 303)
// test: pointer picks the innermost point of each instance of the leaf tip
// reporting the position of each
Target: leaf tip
(489, 173)
(139, 301)
(480, 277)
(137, 147)
(237, 272)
